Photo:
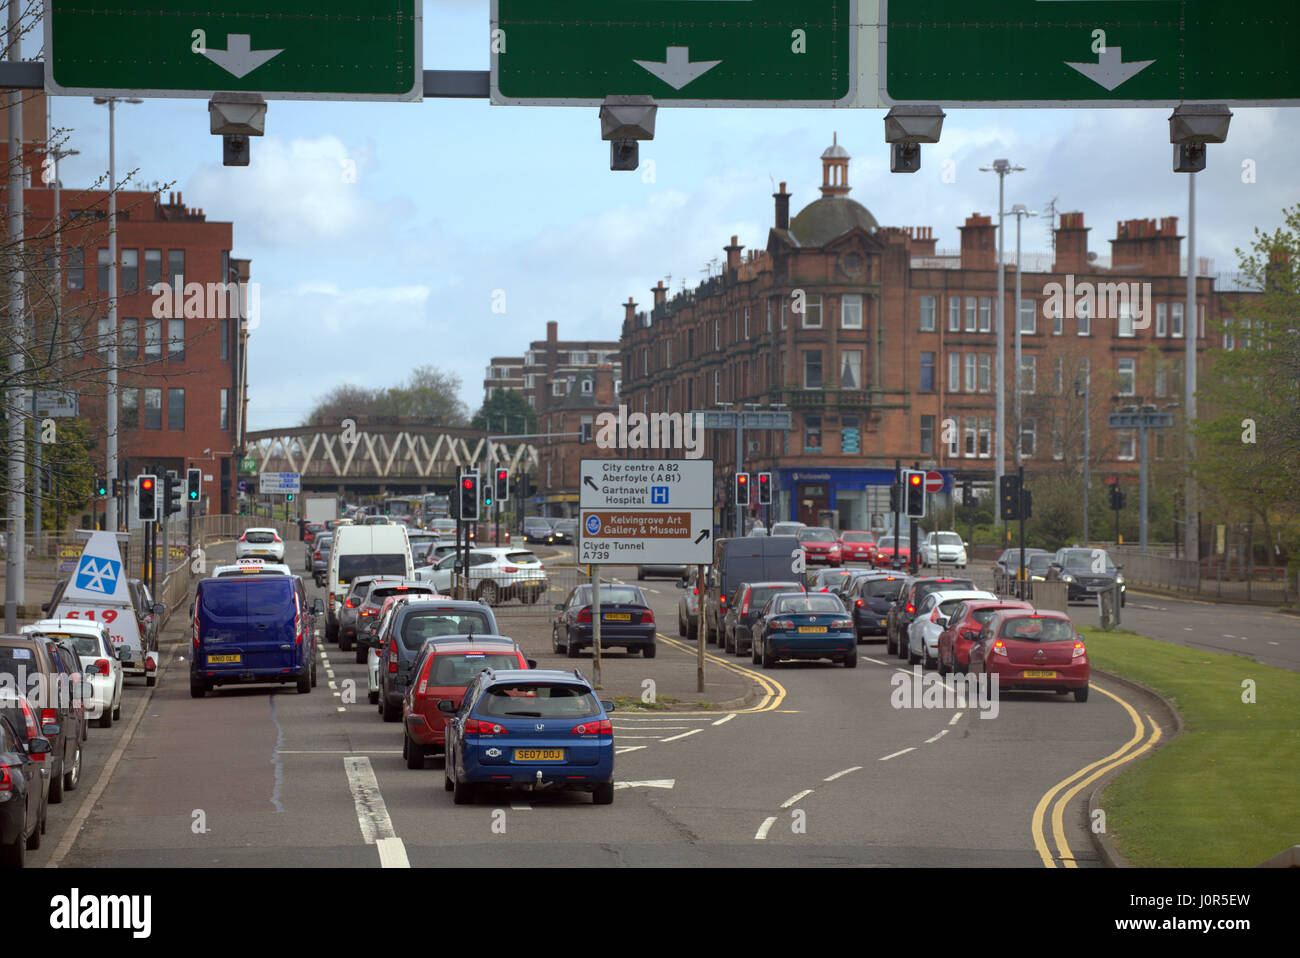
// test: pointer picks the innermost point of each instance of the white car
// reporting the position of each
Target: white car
(251, 567)
(788, 528)
(946, 548)
(99, 663)
(372, 673)
(931, 619)
(260, 543)
(496, 574)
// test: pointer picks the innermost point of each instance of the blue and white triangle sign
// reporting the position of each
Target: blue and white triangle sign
(99, 571)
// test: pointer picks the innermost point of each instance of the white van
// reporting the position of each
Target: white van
(364, 550)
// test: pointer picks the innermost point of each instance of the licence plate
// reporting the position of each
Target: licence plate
(1029, 674)
(618, 616)
(539, 755)
(222, 659)
(811, 629)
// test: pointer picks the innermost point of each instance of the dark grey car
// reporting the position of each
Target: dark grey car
(745, 607)
(404, 635)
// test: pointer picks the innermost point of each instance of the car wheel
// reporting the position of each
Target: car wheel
(374, 698)
(313, 672)
(304, 681)
(56, 785)
(556, 645)
(912, 657)
(768, 659)
(753, 652)
(197, 688)
(648, 651)
(73, 775)
(1081, 695)
(943, 666)
(34, 839)
(345, 643)
(681, 625)
(150, 681)
(106, 720)
(603, 794)
(487, 593)
(414, 754)
(117, 712)
(851, 660)
(462, 793)
(361, 655)
(391, 713)
(15, 855)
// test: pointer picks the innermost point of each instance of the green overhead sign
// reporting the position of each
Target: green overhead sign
(282, 49)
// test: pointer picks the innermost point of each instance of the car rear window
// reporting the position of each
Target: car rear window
(269, 598)
(925, 588)
(759, 596)
(1037, 629)
(229, 601)
(615, 595)
(378, 595)
(84, 644)
(259, 537)
(421, 625)
(883, 588)
(811, 603)
(459, 668)
(538, 700)
(522, 558)
(352, 566)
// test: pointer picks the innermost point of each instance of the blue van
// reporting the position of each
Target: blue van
(257, 628)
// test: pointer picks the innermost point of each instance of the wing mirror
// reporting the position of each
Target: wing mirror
(38, 746)
(446, 705)
(607, 706)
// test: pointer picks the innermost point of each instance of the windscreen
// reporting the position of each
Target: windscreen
(260, 538)
(459, 668)
(948, 539)
(1082, 560)
(431, 624)
(816, 535)
(857, 537)
(538, 700)
(351, 566)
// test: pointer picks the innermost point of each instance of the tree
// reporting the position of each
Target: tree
(506, 410)
(428, 394)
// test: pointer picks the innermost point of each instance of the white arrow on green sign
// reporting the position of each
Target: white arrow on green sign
(760, 53)
(282, 49)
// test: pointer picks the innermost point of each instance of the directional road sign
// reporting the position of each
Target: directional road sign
(1089, 52)
(278, 483)
(282, 49)
(761, 53)
(646, 511)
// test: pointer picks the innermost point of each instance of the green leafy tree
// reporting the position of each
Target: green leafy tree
(508, 410)
(429, 394)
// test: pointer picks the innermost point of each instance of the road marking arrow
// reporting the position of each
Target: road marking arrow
(677, 70)
(239, 58)
(1110, 70)
(652, 783)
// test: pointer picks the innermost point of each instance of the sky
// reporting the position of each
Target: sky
(383, 234)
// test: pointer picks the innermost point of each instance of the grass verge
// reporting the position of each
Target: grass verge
(1223, 794)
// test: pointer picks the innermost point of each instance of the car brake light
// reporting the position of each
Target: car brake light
(392, 655)
(103, 666)
(842, 624)
(49, 717)
(595, 727)
(858, 603)
(722, 600)
(480, 727)
(509, 568)
(783, 623)
(350, 604)
(584, 615)
(1078, 650)
(696, 590)
(744, 606)
(934, 616)
(910, 608)
(277, 537)
(244, 537)
(999, 647)
(647, 617)
(6, 783)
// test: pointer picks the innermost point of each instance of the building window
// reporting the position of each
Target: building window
(585, 427)
(954, 438)
(153, 339)
(1127, 440)
(130, 270)
(812, 369)
(986, 430)
(1058, 320)
(1083, 313)
(812, 433)
(972, 316)
(747, 322)
(1200, 328)
(101, 271)
(130, 348)
(1028, 439)
(927, 435)
(1028, 317)
(176, 340)
(986, 314)
(927, 372)
(954, 314)
(1227, 335)
(971, 360)
(812, 315)
(769, 314)
(105, 337)
(176, 409)
(1127, 377)
(152, 408)
(225, 342)
(1058, 443)
(76, 269)
(176, 268)
(1244, 338)
(1059, 376)
(851, 369)
(850, 435)
(971, 438)
(225, 408)
(954, 372)
(1162, 319)
(851, 311)
(1126, 320)
(1162, 379)
(717, 334)
(129, 416)
(927, 314)
(717, 388)
(668, 352)
(784, 307)
(645, 362)
(587, 387)
(1177, 322)
(557, 388)
(1028, 374)
(986, 380)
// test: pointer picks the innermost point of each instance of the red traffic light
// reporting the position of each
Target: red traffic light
(146, 483)
(501, 473)
(914, 479)
(742, 478)
(467, 484)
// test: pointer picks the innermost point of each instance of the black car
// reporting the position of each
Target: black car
(871, 600)
(564, 532)
(23, 778)
(745, 607)
(625, 620)
(537, 529)
(1086, 572)
(32, 670)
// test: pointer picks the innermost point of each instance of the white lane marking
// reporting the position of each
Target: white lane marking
(651, 783)
(648, 589)
(764, 828)
(1188, 628)
(868, 658)
(329, 672)
(648, 719)
(652, 728)
(337, 695)
(342, 709)
(627, 748)
(339, 751)
(954, 719)
(673, 738)
(521, 808)
(896, 754)
(656, 737)
(1243, 638)
(931, 741)
(795, 797)
(1227, 636)
(842, 772)
(1272, 643)
(724, 721)
(372, 813)
(332, 685)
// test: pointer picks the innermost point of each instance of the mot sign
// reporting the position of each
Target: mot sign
(646, 511)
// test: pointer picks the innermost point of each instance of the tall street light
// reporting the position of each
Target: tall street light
(1081, 389)
(1001, 168)
(110, 518)
(1019, 211)
(16, 478)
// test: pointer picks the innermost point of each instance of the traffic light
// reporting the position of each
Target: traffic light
(487, 495)
(1026, 503)
(764, 488)
(1009, 497)
(101, 487)
(469, 497)
(171, 494)
(193, 484)
(117, 487)
(289, 497)
(503, 485)
(1116, 498)
(893, 497)
(146, 499)
(742, 488)
(914, 493)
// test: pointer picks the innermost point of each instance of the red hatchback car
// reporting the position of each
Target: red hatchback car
(443, 672)
(1033, 650)
(964, 629)
(820, 545)
(858, 546)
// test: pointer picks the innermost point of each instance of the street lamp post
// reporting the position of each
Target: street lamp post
(1081, 389)
(110, 418)
(1018, 211)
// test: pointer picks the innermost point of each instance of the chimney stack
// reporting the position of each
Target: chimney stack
(782, 208)
(660, 293)
(1071, 245)
(978, 249)
(629, 313)
(1141, 243)
(733, 253)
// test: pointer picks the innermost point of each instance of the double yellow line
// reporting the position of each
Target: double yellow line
(1085, 776)
(774, 692)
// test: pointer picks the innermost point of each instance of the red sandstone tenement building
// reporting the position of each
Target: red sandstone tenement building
(894, 354)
